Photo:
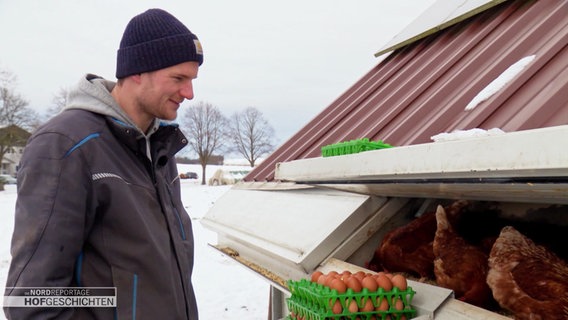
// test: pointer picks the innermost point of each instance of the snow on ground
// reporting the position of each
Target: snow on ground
(224, 288)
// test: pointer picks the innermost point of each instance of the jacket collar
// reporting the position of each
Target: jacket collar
(165, 139)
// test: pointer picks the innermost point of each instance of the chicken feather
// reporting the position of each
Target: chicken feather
(527, 279)
(458, 265)
(409, 248)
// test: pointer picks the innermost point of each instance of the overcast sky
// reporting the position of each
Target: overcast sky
(289, 59)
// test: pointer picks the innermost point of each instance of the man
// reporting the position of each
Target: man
(98, 191)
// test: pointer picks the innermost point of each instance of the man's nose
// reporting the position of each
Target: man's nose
(187, 91)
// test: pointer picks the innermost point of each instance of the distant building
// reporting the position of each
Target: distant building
(12, 142)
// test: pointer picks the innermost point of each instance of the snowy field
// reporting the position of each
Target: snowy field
(224, 289)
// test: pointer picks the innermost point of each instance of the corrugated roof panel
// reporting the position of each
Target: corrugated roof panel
(442, 14)
(423, 89)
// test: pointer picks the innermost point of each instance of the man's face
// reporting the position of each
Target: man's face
(162, 91)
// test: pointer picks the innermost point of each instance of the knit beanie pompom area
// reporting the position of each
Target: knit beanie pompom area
(154, 40)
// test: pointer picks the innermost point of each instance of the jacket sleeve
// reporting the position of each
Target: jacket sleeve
(50, 220)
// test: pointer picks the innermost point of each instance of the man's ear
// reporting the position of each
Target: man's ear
(137, 78)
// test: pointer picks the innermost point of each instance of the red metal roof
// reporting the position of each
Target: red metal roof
(422, 89)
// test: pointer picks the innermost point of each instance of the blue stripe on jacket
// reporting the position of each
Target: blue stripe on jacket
(82, 142)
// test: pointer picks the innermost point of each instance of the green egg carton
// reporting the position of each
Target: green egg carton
(313, 301)
(352, 146)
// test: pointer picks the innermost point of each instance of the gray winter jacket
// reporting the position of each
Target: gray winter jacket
(94, 209)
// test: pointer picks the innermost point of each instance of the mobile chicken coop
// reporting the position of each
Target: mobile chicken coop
(485, 64)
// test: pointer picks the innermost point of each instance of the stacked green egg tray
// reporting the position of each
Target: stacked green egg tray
(313, 301)
(352, 146)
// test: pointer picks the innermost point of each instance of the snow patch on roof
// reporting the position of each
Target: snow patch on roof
(466, 134)
(499, 82)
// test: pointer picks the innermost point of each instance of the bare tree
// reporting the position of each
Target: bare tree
(251, 134)
(15, 116)
(13, 107)
(59, 101)
(205, 129)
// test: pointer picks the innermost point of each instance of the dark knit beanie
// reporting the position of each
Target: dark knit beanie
(155, 40)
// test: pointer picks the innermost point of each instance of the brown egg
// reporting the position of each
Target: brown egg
(332, 273)
(360, 275)
(370, 283)
(398, 304)
(329, 279)
(353, 307)
(315, 275)
(368, 306)
(322, 279)
(337, 308)
(383, 304)
(354, 284)
(384, 282)
(399, 281)
(339, 285)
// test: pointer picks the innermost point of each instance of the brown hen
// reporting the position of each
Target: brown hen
(528, 279)
(409, 248)
(458, 265)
